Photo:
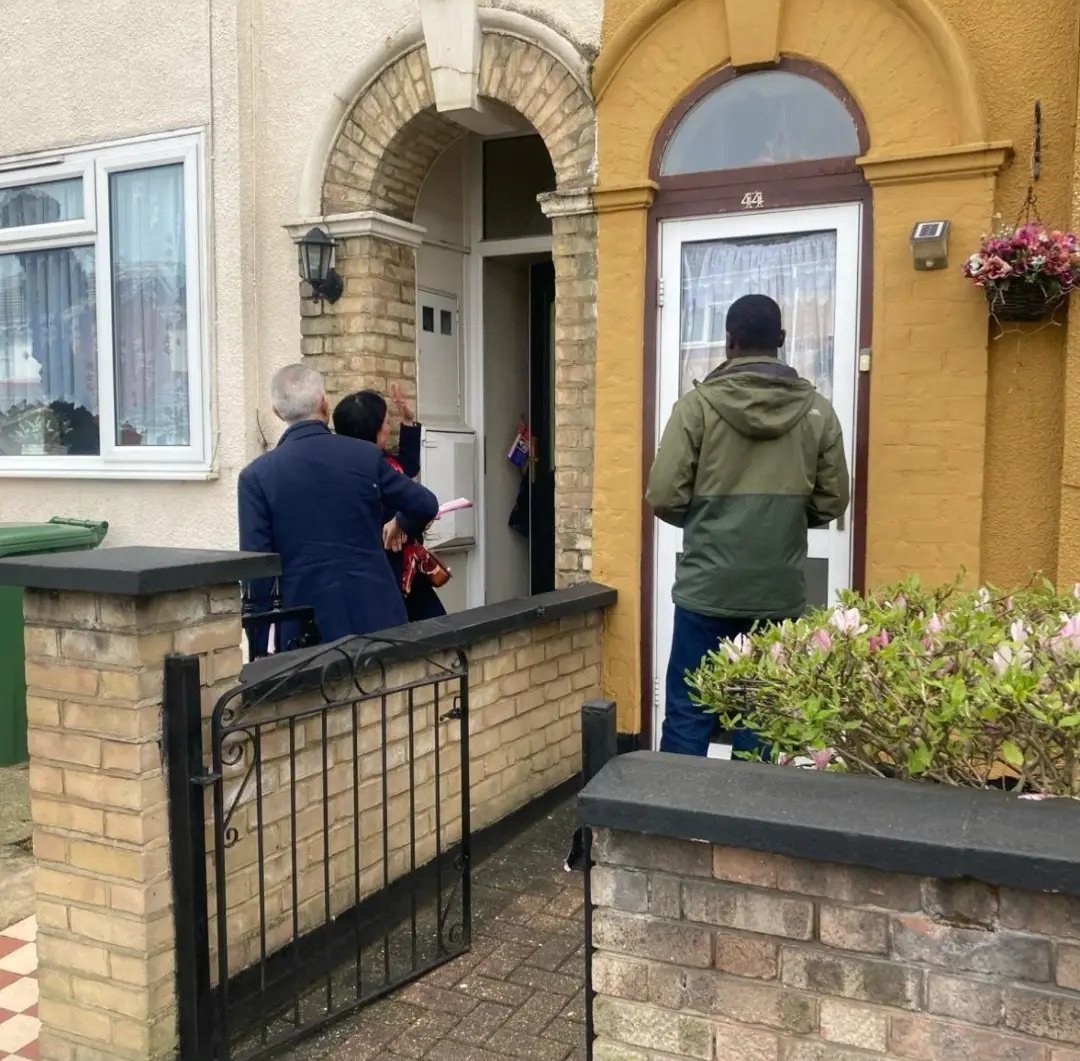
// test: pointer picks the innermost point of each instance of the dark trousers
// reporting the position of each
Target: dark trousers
(687, 726)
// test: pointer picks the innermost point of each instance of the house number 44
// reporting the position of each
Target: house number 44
(753, 201)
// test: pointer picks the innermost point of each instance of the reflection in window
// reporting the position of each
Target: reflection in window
(41, 204)
(761, 119)
(150, 307)
(48, 353)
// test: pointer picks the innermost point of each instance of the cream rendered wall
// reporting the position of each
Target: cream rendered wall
(83, 73)
(259, 76)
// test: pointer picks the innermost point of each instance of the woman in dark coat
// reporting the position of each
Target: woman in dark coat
(364, 415)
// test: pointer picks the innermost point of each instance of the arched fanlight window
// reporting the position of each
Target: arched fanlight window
(761, 119)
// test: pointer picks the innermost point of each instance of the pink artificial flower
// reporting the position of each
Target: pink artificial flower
(822, 757)
(821, 640)
(997, 268)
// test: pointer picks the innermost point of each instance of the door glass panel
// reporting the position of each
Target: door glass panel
(817, 582)
(798, 271)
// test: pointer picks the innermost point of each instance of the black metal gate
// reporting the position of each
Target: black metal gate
(320, 844)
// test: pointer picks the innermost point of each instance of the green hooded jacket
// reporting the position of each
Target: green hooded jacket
(751, 458)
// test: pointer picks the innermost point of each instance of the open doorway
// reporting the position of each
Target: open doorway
(485, 261)
(518, 365)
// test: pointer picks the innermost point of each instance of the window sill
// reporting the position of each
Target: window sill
(146, 473)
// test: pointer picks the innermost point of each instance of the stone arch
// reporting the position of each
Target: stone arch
(393, 134)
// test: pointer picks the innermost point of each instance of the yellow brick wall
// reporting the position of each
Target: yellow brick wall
(966, 424)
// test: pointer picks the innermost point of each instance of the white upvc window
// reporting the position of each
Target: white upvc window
(103, 350)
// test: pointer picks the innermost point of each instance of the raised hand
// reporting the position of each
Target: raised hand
(401, 404)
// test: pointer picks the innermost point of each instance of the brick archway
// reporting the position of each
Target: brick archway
(393, 134)
(385, 146)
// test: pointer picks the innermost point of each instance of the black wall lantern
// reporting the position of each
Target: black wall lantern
(316, 265)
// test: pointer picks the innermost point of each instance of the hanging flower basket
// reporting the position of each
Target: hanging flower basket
(1025, 272)
(1019, 301)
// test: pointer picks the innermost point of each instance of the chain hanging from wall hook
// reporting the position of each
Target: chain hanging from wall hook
(1029, 211)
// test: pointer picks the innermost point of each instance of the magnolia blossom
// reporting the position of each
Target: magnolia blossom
(821, 640)
(1019, 631)
(738, 648)
(822, 757)
(1006, 656)
(847, 621)
(879, 640)
(778, 652)
(983, 597)
(935, 626)
(1068, 637)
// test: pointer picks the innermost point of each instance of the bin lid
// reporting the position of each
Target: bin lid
(57, 536)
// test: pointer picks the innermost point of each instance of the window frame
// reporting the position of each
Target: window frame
(97, 163)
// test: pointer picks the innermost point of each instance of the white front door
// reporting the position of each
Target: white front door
(808, 261)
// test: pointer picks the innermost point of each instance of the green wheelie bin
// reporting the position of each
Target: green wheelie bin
(22, 539)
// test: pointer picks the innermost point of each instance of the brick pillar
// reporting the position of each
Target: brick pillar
(98, 626)
(368, 337)
(573, 222)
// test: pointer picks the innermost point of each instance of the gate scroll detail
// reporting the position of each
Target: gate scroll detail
(320, 840)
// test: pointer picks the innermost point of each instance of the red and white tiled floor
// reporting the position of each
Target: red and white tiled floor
(19, 1024)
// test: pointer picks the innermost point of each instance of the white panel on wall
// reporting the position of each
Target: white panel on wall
(448, 469)
(439, 369)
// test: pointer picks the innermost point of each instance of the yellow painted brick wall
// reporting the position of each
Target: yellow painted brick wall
(967, 425)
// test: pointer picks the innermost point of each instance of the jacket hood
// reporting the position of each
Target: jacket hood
(758, 405)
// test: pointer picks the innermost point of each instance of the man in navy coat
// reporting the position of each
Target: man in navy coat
(317, 499)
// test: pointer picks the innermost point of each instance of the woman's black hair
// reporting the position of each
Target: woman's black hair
(360, 415)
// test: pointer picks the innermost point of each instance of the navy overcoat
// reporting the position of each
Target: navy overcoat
(318, 499)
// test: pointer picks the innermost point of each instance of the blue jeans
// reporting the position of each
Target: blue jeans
(688, 727)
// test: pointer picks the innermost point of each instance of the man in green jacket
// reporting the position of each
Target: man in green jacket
(751, 458)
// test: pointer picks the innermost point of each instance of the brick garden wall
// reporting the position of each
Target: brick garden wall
(98, 800)
(526, 689)
(726, 954)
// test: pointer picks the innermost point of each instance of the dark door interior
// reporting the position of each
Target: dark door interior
(542, 425)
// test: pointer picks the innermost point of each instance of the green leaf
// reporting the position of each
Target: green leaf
(1012, 754)
(918, 759)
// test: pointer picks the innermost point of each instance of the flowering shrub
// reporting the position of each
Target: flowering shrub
(1029, 254)
(946, 685)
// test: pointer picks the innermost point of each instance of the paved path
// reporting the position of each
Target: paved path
(16, 856)
(519, 993)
